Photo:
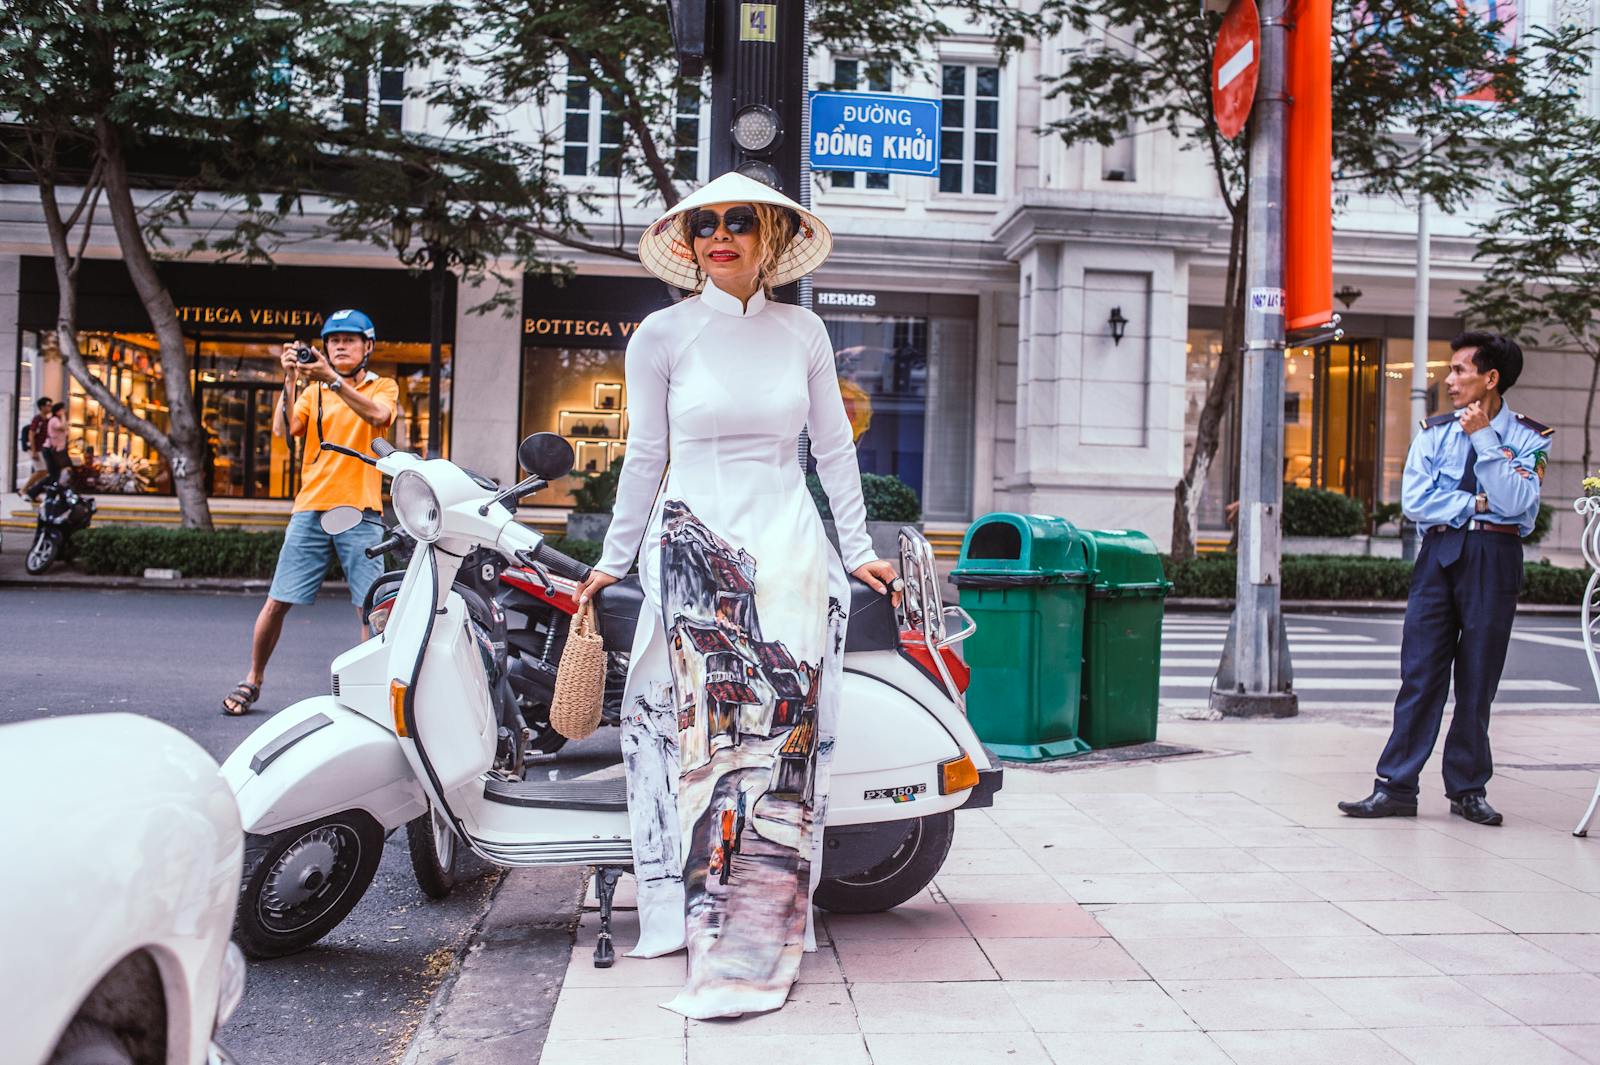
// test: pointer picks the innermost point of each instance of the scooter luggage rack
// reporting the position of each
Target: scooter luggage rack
(922, 606)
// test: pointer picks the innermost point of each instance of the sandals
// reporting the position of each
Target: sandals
(238, 702)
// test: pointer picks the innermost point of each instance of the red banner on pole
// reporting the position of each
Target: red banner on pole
(1308, 215)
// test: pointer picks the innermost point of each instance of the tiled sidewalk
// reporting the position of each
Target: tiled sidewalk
(1210, 910)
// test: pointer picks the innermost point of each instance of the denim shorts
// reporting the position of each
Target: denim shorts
(303, 562)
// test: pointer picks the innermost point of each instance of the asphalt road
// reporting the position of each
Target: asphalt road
(356, 996)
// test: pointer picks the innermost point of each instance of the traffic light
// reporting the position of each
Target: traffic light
(758, 90)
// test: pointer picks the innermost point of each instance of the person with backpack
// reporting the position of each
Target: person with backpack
(32, 441)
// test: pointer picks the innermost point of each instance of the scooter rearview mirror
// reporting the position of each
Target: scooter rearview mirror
(340, 519)
(546, 455)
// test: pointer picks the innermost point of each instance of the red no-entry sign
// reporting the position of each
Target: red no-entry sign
(1234, 66)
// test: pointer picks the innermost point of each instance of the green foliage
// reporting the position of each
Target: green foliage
(1340, 578)
(585, 551)
(128, 550)
(1541, 524)
(1319, 512)
(598, 492)
(888, 498)
(1386, 514)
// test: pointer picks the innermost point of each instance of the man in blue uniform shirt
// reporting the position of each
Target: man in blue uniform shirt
(1471, 485)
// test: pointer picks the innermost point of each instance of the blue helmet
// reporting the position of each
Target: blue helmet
(349, 321)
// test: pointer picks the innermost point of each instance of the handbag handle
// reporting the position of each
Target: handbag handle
(583, 622)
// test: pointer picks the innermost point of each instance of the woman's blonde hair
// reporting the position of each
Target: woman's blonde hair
(775, 230)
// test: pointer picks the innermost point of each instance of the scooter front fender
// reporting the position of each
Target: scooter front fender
(317, 758)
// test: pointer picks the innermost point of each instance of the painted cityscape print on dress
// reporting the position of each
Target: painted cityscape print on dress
(755, 728)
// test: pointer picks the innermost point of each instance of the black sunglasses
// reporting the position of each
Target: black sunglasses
(739, 220)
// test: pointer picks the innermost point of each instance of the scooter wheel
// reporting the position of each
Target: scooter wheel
(898, 877)
(433, 854)
(301, 882)
(46, 545)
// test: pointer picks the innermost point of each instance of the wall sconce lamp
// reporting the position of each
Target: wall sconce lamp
(1347, 295)
(1119, 325)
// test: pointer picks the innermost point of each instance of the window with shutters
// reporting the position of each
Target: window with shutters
(969, 133)
(852, 75)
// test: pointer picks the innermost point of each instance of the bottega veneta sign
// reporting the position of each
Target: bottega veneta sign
(278, 317)
(576, 327)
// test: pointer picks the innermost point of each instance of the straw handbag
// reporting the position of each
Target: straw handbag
(580, 679)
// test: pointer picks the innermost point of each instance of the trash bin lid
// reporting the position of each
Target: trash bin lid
(1029, 548)
(1125, 561)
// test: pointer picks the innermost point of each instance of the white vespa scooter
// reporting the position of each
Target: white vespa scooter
(409, 733)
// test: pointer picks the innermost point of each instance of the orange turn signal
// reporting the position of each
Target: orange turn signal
(397, 706)
(958, 774)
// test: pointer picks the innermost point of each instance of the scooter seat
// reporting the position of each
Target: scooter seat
(873, 624)
(617, 611)
(608, 794)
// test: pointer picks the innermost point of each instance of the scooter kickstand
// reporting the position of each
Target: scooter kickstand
(605, 888)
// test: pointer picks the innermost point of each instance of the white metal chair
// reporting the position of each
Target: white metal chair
(1589, 507)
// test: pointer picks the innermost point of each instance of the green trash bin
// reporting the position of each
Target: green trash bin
(1024, 579)
(1122, 639)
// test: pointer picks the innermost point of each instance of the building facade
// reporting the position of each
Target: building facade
(971, 313)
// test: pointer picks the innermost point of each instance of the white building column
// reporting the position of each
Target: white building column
(486, 385)
(1100, 421)
(10, 284)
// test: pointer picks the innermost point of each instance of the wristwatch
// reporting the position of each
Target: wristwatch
(335, 385)
(1480, 503)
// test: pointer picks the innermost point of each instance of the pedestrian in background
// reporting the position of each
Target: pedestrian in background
(33, 444)
(1471, 486)
(332, 397)
(54, 448)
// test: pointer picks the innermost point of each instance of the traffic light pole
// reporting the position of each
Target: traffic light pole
(1256, 675)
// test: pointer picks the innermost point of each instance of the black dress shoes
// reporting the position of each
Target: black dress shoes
(1379, 804)
(1476, 808)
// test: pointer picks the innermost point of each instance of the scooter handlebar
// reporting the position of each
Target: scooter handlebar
(557, 563)
(378, 550)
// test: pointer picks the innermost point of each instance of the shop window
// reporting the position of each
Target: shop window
(969, 135)
(1397, 423)
(593, 135)
(908, 385)
(579, 393)
(851, 75)
(1331, 418)
(1219, 489)
(237, 382)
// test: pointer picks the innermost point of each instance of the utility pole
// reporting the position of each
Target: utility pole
(1255, 680)
(1419, 347)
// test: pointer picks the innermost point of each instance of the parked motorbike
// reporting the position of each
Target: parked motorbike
(62, 512)
(411, 733)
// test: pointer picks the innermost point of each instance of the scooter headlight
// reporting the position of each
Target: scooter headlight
(416, 506)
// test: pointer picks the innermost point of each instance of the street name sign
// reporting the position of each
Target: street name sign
(876, 133)
(1234, 66)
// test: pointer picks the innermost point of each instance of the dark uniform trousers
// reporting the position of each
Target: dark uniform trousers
(1458, 618)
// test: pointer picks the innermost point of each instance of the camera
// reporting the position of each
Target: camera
(305, 354)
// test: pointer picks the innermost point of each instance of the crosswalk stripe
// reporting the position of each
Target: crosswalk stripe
(1302, 637)
(1369, 684)
(1388, 665)
(1180, 703)
(1294, 648)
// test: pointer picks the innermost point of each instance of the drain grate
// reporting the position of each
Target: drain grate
(1137, 752)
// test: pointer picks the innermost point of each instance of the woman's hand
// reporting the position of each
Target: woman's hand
(592, 587)
(881, 578)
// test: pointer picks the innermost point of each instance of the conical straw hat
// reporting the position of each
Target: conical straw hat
(664, 253)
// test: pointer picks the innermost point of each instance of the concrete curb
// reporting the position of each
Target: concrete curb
(496, 1003)
(13, 575)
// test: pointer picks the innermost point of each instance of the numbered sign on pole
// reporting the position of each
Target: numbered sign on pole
(1235, 64)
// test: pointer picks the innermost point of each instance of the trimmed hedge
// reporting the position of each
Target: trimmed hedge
(887, 497)
(1319, 512)
(1339, 577)
(128, 550)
